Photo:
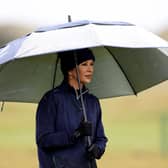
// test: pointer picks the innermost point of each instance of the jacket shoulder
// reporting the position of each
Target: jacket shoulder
(51, 94)
(92, 96)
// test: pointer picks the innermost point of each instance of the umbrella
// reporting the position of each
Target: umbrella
(129, 59)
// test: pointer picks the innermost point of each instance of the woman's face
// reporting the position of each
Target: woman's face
(85, 71)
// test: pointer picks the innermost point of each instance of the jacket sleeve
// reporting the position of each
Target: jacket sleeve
(100, 138)
(46, 134)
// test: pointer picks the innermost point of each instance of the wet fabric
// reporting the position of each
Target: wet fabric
(58, 115)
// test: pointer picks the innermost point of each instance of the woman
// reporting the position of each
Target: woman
(61, 131)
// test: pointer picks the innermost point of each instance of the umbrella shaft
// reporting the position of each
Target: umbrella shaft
(92, 163)
(80, 89)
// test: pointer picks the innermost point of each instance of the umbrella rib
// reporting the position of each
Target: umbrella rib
(122, 70)
(55, 71)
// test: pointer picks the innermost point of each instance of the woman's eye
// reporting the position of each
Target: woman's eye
(84, 64)
(87, 64)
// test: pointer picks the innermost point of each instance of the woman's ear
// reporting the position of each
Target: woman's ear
(69, 73)
(72, 73)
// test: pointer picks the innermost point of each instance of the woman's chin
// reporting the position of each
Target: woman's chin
(87, 81)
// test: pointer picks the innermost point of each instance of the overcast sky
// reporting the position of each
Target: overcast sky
(150, 14)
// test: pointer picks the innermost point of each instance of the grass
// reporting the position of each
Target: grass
(133, 133)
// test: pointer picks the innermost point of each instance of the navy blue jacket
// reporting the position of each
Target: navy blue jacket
(58, 114)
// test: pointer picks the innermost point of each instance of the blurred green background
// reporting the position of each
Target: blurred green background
(136, 126)
(137, 129)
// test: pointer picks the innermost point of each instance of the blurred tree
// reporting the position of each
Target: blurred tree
(10, 32)
(164, 33)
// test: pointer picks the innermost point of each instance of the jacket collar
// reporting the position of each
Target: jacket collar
(67, 88)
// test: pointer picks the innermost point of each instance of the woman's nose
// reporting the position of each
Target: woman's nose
(90, 68)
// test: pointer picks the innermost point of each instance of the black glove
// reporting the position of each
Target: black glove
(94, 152)
(84, 129)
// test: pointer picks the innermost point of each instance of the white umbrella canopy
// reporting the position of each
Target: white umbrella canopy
(129, 59)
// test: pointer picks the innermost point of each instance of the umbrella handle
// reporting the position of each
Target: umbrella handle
(93, 163)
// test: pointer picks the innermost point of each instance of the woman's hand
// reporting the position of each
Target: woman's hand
(84, 129)
(94, 152)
